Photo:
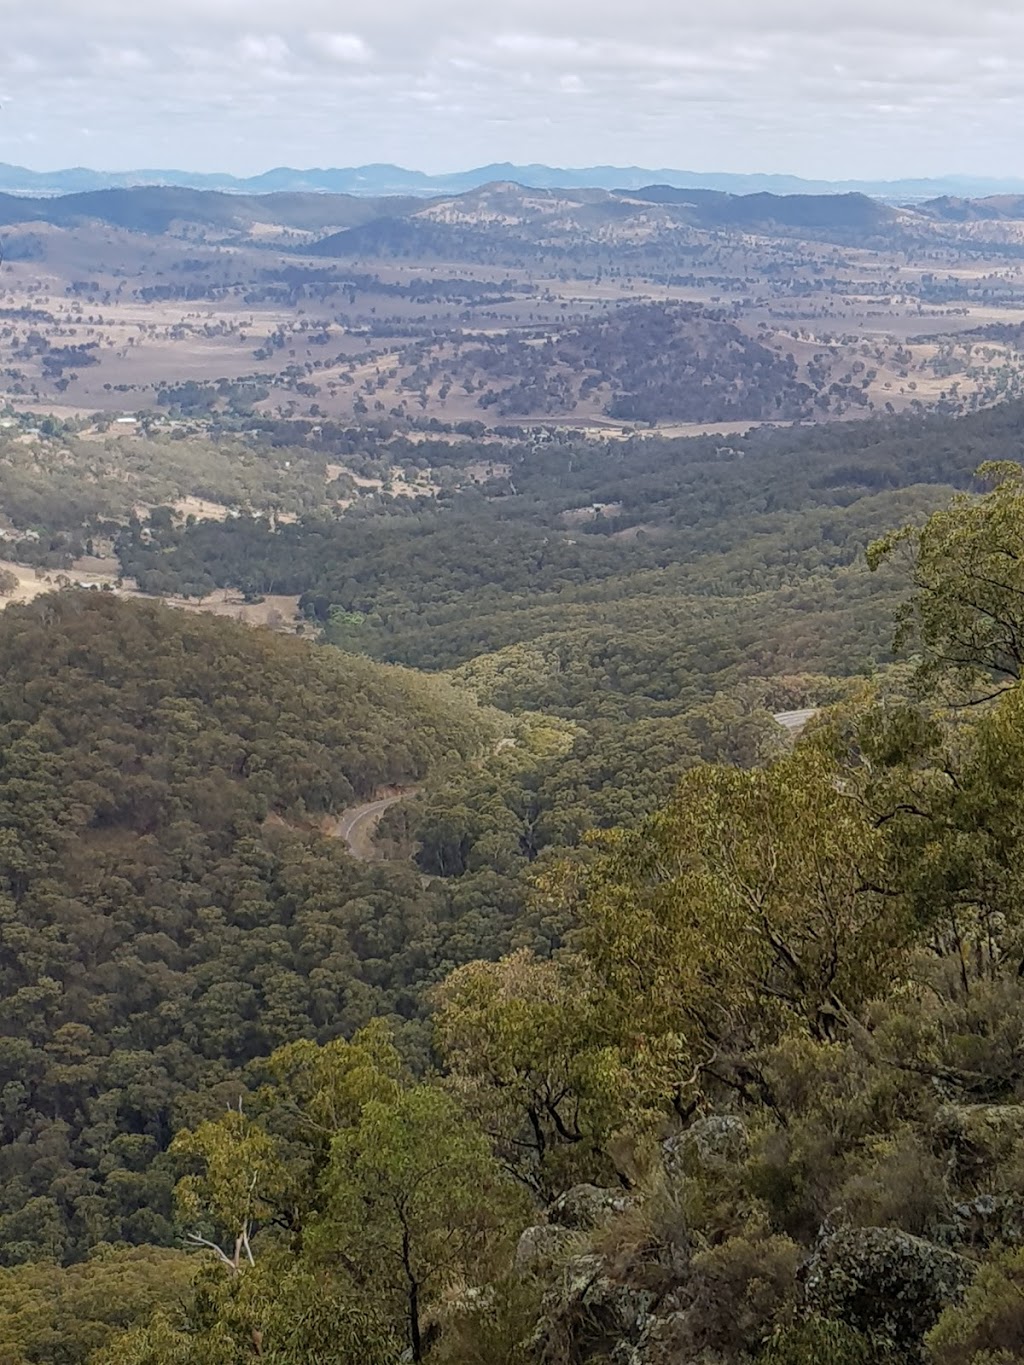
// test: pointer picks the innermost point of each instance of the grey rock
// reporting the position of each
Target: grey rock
(541, 1245)
(591, 1316)
(986, 1219)
(711, 1144)
(884, 1281)
(586, 1206)
(659, 1340)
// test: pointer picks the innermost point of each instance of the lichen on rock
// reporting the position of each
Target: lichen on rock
(587, 1206)
(884, 1282)
(714, 1143)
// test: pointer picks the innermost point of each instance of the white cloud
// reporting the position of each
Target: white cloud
(883, 87)
(267, 50)
(119, 58)
(341, 47)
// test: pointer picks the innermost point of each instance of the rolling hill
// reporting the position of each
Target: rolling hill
(503, 214)
(497, 220)
(168, 905)
(154, 209)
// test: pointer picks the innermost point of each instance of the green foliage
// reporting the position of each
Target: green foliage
(801, 970)
(247, 1174)
(327, 1086)
(718, 585)
(239, 1182)
(75, 485)
(414, 1202)
(968, 575)
(349, 1188)
(988, 1327)
(820, 1341)
(530, 1051)
(490, 1328)
(51, 1315)
(747, 907)
(170, 911)
(281, 1313)
(738, 1290)
(704, 567)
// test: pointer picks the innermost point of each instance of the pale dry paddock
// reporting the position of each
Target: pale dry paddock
(275, 612)
(31, 585)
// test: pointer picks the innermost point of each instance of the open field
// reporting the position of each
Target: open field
(96, 319)
(274, 612)
(194, 373)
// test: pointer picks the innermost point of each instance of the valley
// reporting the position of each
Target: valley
(506, 304)
(510, 724)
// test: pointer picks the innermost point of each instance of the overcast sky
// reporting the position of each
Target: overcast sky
(822, 88)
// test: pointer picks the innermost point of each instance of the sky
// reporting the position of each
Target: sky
(828, 89)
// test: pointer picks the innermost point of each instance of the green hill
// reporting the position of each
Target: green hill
(157, 930)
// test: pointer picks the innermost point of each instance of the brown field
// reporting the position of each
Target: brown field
(31, 585)
(88, 290)
(274, 612)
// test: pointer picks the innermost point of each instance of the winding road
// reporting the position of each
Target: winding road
(358, 825)
(794, 721)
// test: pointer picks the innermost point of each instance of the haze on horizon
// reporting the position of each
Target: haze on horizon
(885, 89)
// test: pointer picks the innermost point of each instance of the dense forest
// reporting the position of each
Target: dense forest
(762, 1104)
(170, 907)
(651, 1035)
(645, 574)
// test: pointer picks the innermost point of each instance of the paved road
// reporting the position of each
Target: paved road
(794, 721)
(358, 825)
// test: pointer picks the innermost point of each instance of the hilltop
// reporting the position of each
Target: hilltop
(504, 214)
(375, 224)
(155, 209)
(499, 302)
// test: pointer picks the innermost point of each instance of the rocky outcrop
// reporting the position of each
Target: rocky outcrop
(712, 1144)
(541, 1246)
(633, 1286)
(604, 1305)
(987, 1219)
(587, 1206)
(592, 1316)
(884, 1282)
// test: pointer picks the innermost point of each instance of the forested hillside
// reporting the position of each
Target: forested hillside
(651, 1037)
(67, 489)
(169, 910)
(611, 578)
(763, 1107)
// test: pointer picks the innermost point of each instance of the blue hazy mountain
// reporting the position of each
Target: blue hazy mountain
(383, 179)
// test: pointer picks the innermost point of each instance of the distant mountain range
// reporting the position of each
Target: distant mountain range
(377, 180)
(506, 222)
(501, 210)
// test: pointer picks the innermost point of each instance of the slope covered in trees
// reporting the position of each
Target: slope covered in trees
(766, 1108)
(738, 1084)
(168, 909)
(645, 574)
(649, 362)
(67, 489)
